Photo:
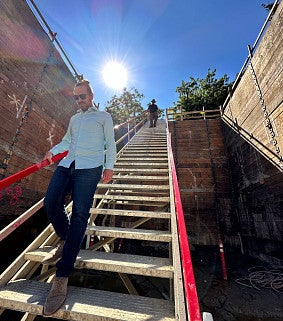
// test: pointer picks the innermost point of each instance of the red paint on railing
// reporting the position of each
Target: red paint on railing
(20, 175)
(193, 309)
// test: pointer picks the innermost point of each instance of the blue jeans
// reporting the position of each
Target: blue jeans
(82, 185)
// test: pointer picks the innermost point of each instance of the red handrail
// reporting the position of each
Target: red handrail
(18, 176)
(29, 170)
(193, 309)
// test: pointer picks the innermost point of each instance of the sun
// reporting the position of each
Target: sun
(115, 75)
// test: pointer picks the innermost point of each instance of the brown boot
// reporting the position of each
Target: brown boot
(55, 254)
(56, 296)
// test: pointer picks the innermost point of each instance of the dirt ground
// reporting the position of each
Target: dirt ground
(236, 299)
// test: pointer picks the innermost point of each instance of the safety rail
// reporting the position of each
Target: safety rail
(29, 170)
(192, 303)
(137, 122)
(173, 114)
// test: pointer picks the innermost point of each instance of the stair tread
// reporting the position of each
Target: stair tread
(141, 170)
(146, 152)
(131, 233)
(86, 304)
(141, 177)
(118, 163)
(141, 159)
(165, 199)
(114, 262)
(109, 211)
(133, 186)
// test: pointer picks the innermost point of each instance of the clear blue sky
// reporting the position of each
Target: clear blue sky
(160, 42)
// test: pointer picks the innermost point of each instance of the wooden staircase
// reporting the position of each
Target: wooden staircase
(138, 205)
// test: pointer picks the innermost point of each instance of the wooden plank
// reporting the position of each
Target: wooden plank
(114, 262)
(20, 261)
(149, 214)
(148, 164)
(140, 178)
(135, 234)
(133, 186)
(140, 170)
(146, 147)
(141, 159)
(155, 199)
(128, 284)
(86, 304)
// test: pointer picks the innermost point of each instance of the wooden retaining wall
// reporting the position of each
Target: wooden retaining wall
(257, 189)
(255, 108)
(228, 189)
(35, 103)
(254, 144)
(203, 177)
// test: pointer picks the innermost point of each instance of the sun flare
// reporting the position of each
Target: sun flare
(115, 75)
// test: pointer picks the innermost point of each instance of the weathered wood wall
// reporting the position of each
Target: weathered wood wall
(35, 103)
(256, 215)
(254, 144)
(255, 106)
(203, 177)
(228, 189)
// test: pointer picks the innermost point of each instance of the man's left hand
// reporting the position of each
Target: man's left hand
(107, 175)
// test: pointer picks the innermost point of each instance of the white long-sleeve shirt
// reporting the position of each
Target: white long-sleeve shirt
(89, 133)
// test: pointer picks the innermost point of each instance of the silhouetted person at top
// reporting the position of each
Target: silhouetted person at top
(153, 113)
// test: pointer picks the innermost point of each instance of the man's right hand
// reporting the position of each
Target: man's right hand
(48, 156)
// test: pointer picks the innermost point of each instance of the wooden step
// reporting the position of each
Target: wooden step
(149, 214)
(129, 204)
(134, 187)
(141, 170)
(149, 138)
(140, 178)
(144, 147)
(148, 164)
(86, 304)
(156, 199)
(144, 154)
(141, 159)
(114, 262)
(144, 144)
(151, 151)
(129, 233)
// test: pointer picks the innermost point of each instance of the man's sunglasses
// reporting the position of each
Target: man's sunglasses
(82, 96)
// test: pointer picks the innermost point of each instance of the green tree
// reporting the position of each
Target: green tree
(208, 93)
(125, 106)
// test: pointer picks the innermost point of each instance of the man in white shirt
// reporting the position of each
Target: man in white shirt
(89, 132)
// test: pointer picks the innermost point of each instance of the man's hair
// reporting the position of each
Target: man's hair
(85, 82)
